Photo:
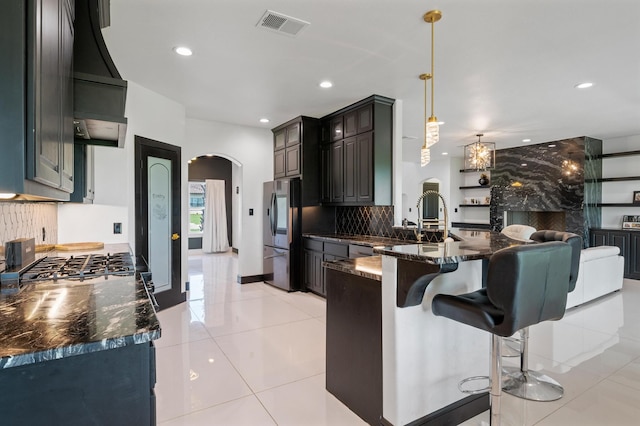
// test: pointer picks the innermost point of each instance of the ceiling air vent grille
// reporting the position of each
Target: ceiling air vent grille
(281, 24)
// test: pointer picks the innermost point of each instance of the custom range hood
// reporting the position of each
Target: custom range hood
(99, 93)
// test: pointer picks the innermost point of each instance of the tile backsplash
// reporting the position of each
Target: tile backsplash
(369, 220)
(27, 220)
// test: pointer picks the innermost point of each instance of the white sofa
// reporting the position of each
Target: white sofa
(601, 272)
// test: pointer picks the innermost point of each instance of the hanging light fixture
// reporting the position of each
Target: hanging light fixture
(431, 127)
(479, 155)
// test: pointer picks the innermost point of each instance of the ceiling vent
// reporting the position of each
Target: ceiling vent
(281, 24)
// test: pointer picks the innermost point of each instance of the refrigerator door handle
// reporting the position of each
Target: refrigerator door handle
(275, 255)
(274, 214)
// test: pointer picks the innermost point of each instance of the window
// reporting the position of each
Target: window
(196, 207)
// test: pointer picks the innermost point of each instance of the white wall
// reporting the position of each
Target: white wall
(149, 115)
(412, 177)
(252, 149)
(619, 192)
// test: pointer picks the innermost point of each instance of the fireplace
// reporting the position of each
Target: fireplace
(553, 220)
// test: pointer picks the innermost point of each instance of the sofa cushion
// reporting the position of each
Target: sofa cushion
(598, 252)
(518, 232)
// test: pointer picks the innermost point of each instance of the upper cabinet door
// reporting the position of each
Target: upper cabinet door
(365, 119)
(350, 124)
(336, 129)
(46, 93)
(66, 93)
(293, 134)
(279, 139)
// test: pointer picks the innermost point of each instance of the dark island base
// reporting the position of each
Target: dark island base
(109, 387)
(354, 343)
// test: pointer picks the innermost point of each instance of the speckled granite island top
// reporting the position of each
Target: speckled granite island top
(473, 245)
(48, 320)
(363, 240)
(367, 267)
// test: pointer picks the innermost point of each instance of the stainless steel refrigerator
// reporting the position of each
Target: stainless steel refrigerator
(281, 234)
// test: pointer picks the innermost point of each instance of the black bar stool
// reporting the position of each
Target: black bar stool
(520, 381)
(526, 285)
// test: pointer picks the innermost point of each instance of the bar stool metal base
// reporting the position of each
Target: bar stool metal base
(530, 385)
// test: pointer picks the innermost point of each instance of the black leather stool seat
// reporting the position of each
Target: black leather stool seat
(521, 381)
(526, 284)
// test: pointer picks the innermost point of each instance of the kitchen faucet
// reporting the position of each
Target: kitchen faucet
(418, 231)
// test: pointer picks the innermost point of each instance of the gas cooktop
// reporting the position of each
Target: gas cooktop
(78, 268)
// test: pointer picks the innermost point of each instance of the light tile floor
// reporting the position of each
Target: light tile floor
(254, 355)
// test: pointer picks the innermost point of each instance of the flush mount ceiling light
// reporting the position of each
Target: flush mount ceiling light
(183, 51)
(584, 85)
(526, 140)
(326, 84)
(264, 120)
(431, 124)
(479, 155)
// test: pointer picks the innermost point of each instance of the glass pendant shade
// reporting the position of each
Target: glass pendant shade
(425, 156)
(432, 131)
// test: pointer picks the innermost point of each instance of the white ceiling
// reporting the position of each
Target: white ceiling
(506, 68)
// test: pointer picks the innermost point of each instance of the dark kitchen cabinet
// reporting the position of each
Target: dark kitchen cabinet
(358, 169)
(105, 387)
(627, 241)
(36, 114)
(315, 253)
(84, 161)
(336, 172)
(358, 179)
(296, 153)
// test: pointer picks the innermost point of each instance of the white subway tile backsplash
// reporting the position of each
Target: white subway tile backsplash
(27, 220)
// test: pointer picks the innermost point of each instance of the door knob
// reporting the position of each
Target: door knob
(175, 236)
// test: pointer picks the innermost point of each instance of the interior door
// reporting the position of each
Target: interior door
(158, 218)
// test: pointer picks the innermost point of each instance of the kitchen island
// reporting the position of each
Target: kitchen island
(78, 353)
(413, 359)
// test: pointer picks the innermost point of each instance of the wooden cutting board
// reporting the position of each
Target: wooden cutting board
(79, 246)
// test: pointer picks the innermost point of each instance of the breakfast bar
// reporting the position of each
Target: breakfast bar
(421, 358)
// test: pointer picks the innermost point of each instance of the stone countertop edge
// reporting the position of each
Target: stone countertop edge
(367, 267)
(361, 240)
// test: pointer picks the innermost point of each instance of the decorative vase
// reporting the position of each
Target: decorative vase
(483, 181)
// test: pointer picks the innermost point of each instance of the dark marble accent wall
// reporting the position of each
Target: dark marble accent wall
(538, 178)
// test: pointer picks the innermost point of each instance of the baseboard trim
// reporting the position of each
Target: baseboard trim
(250, 279)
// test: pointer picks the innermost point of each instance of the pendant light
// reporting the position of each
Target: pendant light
(479, 155)
(431, 127)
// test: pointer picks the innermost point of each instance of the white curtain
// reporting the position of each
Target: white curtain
(214, 229)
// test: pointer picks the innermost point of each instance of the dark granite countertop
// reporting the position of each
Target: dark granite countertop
(473, 245)
(52, 320)
(367, 267)
(362, 240)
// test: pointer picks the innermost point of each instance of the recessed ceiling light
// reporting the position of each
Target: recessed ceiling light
(264, 120)
(584, 85)
(326, 84)
(445, 153)
(183, 51)
(526, 140)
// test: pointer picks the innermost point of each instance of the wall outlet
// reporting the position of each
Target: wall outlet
(250, 212)
(117, 228)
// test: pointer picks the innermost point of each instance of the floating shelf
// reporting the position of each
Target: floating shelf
(478, 187)
(614, 179)
(618, 154)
